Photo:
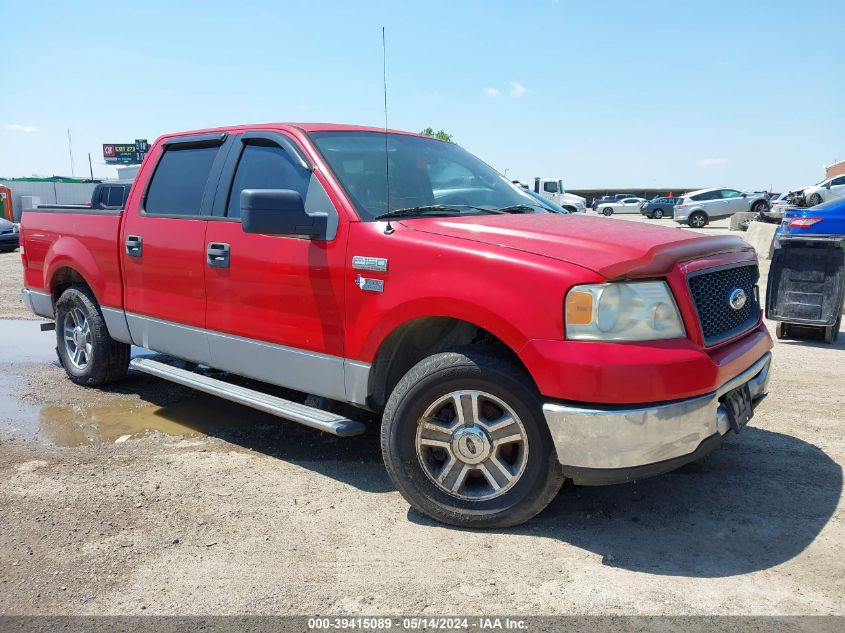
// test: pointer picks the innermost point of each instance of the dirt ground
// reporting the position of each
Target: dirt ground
(146, 498)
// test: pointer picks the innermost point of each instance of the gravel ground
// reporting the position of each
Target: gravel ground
(146, 498)
(11, 280)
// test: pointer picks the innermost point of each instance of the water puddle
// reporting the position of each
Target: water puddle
(22, 343)
(69, 426)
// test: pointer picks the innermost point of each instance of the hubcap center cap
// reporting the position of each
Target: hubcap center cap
(471, 445)
(78, 337)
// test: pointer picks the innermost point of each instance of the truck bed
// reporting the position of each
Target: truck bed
(88, 238)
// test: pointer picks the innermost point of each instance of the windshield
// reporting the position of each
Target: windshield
(423, 172)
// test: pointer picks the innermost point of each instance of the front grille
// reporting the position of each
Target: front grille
(711, 291)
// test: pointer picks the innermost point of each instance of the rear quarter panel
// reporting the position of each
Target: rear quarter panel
(85, 242)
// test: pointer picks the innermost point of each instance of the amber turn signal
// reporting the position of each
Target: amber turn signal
(579, 308)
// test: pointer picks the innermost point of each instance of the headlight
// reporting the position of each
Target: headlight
(637, 311)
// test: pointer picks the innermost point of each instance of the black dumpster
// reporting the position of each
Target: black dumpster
(806, 286)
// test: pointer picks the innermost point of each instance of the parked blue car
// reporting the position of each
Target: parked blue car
(827, 218)
(806, 288)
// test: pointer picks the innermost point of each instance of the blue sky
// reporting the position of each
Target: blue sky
(681, 94)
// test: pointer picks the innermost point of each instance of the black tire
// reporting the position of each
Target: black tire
(6, 249)
(469, 369)
(607, 211)
(697, 220)
(814, 200)
(781, 330)
(658, 214)
(109, 359)
(760, 207)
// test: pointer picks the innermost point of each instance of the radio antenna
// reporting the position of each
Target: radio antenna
(388, 230)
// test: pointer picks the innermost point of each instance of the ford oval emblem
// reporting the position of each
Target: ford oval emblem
(737, 298)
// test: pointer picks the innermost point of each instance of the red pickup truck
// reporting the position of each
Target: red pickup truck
(508, 347)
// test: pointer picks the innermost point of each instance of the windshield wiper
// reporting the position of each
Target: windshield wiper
(441, 209)
(517, 208)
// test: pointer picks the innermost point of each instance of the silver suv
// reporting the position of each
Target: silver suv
(699, 207)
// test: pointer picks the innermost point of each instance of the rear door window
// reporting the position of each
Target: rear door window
(179, 181)
(707, 195)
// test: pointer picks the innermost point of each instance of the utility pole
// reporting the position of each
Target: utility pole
(90, 168)
(70, 151)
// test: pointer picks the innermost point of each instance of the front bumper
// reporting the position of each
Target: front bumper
(611, 444)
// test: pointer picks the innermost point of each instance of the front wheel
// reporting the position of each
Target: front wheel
(814, 200)
(465, 442)
(607, 211)
(760, 207)
(89, 355)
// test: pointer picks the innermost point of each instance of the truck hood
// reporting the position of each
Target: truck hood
(612, 248)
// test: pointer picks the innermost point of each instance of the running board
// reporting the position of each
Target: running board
(309, 416)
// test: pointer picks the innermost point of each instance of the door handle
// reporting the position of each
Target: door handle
(218, 255)
(134, 245)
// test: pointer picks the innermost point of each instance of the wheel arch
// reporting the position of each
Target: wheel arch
(414, 340)
(69, 262)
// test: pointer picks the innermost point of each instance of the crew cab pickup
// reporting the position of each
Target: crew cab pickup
(507, 348)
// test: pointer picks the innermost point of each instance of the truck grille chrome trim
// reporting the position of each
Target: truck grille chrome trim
(716, 293)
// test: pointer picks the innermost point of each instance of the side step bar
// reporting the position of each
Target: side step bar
(309, 416)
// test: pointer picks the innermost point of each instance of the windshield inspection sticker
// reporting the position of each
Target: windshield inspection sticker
(378, 264)
(371, 285)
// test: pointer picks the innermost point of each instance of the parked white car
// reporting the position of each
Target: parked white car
(625, 205)
(698, 208)
(825, 190)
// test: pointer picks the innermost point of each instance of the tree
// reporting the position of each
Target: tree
(439, 134)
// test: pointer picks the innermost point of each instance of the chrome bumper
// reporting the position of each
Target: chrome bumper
(616, 437)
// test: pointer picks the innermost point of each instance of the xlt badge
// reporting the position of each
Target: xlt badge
(369, 284)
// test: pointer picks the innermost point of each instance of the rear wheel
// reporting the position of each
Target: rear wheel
(781, 330)
(89, 355)
(698, 220)
(658, 214)
(465, 442)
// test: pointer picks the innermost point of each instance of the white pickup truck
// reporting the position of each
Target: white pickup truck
(553, 189)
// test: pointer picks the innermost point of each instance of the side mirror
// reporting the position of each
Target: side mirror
(745, 195)
(827, 185)
(279, 212)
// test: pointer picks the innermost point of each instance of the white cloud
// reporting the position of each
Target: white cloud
(17, 127)
(517, 90)
(492, 92)
(710, 162)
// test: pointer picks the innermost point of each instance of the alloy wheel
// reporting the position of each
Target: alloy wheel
(472, 445)
(78, 340)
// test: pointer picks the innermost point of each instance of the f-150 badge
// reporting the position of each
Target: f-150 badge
(378, 264)
(368, 284)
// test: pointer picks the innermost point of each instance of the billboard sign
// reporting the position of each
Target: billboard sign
(126, 153)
